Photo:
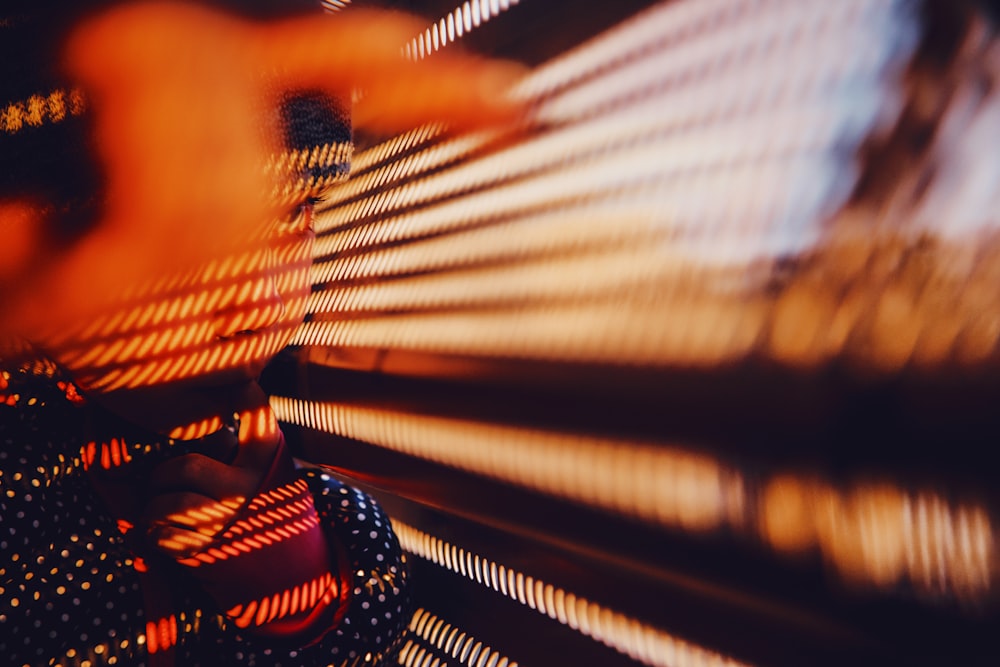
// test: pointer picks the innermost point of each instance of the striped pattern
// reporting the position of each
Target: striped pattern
(876, 533)
(109, 455)
(334, 5)
(273, 516)
(318, 592)
(638, 640)
(161, 634)
(427, 634)
(656, 483)
(307, 173)
(641, 215)
(296, 161)
(464, 19)
(40, 110)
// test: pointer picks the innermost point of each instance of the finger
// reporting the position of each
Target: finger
(183, 523)
(364, 50)
(197, 473)
(333, 53)
(178, 542)
(464, 92)
(191, 511)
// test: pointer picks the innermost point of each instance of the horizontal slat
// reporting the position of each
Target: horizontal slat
(875, 534)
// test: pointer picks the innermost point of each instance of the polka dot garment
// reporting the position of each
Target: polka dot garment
(70, 592)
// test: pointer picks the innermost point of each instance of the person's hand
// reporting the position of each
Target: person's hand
(187, 272)
(225, 472)
(235, 514)
(183, 101)
(247, 530)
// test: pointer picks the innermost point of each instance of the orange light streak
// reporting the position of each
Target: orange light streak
(283, 610)
(161, 635)
(269, 523)
(172, 329)
(88, 454)
(275, 607)
(874, 534)
(299, 599)
(242, 617)
(197, 430)
(262, 610)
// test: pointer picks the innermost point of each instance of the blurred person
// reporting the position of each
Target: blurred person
(159, 163)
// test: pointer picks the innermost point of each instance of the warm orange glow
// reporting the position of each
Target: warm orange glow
(20, 227)
(317, 592)
(202, 524)
(283, 610)
(198, 429)
(179, 337)
(161, 635)
(662, 484)
(198, 270)
(258, 424)
(638, 639)
(262, 610)
(881, 535)
(875, 534)
(273, 516)
(111, 454)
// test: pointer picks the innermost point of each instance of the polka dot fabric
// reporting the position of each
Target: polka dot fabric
(68, 593)
(69, 590)
(379, 605)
